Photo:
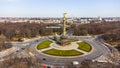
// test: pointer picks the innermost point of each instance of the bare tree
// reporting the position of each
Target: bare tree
(114, 57)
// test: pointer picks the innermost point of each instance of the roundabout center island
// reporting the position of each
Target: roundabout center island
(77, 48)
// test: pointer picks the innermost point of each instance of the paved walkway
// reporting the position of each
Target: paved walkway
(46, 49)
(67, 47)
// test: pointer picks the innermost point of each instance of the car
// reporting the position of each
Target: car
(37, 40)
(44, 59)
(17, 51)
(48, 67)
(75, 63)
(22, 48)
(44, 66)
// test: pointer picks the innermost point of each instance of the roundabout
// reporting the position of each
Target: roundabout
(57, 55)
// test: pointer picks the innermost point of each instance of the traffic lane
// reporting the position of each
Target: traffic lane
(23, 46)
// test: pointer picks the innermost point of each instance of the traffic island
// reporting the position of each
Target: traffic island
(84, 46)
(44, 44)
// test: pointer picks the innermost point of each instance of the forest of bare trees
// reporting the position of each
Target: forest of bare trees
(95, 28)
(29, 30)
(3, 44)
(20, 63)
(20, 30)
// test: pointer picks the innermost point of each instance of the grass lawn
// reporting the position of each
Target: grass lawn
(62, 52)
(44, 44)
(84, 46)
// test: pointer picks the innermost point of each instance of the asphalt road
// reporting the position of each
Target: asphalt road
(99, 49)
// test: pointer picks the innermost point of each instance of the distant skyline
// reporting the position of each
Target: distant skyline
(55, 8)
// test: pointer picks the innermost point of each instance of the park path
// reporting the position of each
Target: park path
(46, 49)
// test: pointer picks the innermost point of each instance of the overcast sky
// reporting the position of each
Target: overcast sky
(55, 8)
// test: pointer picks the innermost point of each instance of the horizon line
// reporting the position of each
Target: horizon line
(54, 17)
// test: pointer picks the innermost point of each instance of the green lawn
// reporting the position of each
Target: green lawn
(84, 46)
(62, 52)
(44, 44)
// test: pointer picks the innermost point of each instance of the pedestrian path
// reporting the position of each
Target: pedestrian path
(71, 46)
(46, 49)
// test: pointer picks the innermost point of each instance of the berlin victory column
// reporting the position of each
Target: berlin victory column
(63, 40)
(64, 24)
